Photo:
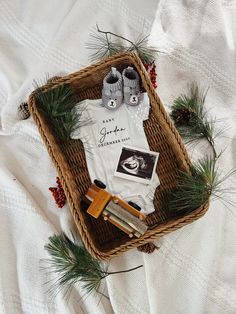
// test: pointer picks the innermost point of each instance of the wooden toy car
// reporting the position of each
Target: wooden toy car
(126, 216)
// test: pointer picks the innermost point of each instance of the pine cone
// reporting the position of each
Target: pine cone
(147, 248)
(181, 116)
(23, 111)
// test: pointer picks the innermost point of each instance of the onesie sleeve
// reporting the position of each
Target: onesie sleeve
(83, 120)
(143, 108)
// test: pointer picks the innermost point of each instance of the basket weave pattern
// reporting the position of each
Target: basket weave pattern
(101, 238)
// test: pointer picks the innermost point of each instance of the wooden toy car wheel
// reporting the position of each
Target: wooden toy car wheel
(99, 184)
(133, 204)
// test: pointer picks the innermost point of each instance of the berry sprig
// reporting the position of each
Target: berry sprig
(58, 194)
(151, 69)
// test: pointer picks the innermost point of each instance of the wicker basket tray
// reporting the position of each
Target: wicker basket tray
(101, 238)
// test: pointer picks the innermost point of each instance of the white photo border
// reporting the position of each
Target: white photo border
(136, 178)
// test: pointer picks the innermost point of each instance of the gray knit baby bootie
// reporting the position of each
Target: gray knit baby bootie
(131, 86)
(112, 94)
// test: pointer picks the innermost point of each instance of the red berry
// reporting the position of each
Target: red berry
(58, 194)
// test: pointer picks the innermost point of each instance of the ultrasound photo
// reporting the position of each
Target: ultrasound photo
(137, 164)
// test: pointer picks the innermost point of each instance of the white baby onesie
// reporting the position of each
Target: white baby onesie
(106, 132)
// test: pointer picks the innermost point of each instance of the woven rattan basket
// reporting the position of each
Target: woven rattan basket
(101, 238)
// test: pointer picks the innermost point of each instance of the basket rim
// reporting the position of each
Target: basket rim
(68, 184)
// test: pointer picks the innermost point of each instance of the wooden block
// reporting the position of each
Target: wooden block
(92, 192)
(99, 203)
(124, 215)
(122, 225)
(130, 208)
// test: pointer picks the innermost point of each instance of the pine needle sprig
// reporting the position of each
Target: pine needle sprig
(196, 188)
(145, 52)
(104, 44)
(73, 263)
(59, 106)
(190, 117)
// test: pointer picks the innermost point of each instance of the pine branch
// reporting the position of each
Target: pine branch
(59, 106)
(190, 117)
(124, 271)
(103, 45)
(145, 52)
(73, 263)
(195, 189)
(118, 36)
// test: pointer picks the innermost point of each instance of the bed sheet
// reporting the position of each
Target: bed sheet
(194, 271)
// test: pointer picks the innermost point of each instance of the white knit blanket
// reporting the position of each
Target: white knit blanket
(194, 271)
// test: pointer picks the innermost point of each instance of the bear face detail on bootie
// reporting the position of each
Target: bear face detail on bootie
(132, 95)
(112, 99)
(112, 92)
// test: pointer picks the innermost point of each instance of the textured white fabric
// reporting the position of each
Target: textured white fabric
(194, 270)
